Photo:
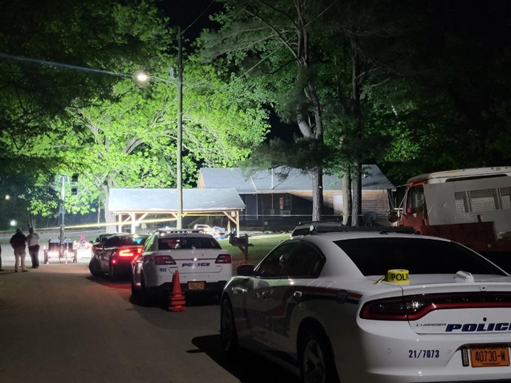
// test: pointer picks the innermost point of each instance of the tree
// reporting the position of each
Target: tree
(271, 44)
(129, 139)
(46, 48)
(46, 51)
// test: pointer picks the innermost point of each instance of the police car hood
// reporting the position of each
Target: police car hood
(459, 304)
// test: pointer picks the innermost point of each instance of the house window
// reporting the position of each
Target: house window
(250, 212)
(285, 202)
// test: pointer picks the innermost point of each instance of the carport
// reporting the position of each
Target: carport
(134, 206)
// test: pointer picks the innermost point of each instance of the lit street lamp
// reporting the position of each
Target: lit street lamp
(142, 77)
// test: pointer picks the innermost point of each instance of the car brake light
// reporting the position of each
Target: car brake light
(163, 260)
(415, 307)
(223, 258)
(127, 252)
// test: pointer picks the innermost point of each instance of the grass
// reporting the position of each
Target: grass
(258, 247)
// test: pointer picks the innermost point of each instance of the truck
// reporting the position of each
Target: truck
(469, 206)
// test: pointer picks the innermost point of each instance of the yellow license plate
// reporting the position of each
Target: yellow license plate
(196, 285)
(489, 356)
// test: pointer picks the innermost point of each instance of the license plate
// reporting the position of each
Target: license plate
(196, 285)
(489, 356)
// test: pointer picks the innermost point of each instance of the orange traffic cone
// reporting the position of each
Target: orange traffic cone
(176, 298)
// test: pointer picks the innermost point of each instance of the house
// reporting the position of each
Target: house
(282, 197)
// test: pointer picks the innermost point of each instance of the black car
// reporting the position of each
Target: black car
(114, 256)
(100, 241)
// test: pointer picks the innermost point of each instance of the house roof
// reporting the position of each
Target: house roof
(165, 200)
(272, 180)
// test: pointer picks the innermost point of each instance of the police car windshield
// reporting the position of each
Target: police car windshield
(188, 243)
(375, 256)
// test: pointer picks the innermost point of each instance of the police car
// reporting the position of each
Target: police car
(373, 306)
(203, 265)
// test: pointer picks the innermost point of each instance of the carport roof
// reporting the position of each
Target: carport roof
(165, 200)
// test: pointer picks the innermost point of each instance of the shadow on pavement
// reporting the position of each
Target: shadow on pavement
(247, 366)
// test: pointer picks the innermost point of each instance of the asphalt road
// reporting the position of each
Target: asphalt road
(60, 324)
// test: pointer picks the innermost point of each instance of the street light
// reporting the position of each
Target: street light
(143, 77)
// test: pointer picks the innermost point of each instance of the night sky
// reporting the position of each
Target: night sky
(185, 12)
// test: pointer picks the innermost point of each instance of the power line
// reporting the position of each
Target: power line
(61, 65)
(197, 19)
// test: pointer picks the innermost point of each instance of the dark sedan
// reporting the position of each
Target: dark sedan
(115, 255)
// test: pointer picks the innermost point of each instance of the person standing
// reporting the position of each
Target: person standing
(19, 242)
(33, 247)
(1, 258)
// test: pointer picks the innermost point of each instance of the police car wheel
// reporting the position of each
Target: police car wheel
(228, 333)
(316, 358)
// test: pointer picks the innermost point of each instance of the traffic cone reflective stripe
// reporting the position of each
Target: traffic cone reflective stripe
(177, 300)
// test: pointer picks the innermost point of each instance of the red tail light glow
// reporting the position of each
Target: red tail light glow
(414, 307)
(129, 252)
(223, 258)
(163, 260)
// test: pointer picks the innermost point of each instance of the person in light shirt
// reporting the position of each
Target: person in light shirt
(33, 247)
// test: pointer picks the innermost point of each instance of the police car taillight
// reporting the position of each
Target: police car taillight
(391, 309)
(414, 307)
(163, 260)
(223, 258)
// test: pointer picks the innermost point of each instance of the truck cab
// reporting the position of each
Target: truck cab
(466, 205)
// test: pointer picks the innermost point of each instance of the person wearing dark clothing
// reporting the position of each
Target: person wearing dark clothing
(19, 242)
(1, 259)
(33, 247)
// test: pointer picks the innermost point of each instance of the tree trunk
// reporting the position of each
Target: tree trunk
(346, 197)
(356, 182)
(317, 193)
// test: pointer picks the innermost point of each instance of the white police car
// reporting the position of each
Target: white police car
(373, 307)
(203, 265)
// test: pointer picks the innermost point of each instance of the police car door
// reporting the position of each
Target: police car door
(268, 274)
(299, 269)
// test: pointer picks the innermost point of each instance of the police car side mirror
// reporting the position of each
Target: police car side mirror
(245, 270)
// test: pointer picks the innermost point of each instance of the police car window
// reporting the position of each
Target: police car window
(305, 262)
(276, 261)
(149, 243)
(375, 256)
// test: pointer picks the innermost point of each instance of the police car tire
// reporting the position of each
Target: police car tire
(228, 332)
(315, 341)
